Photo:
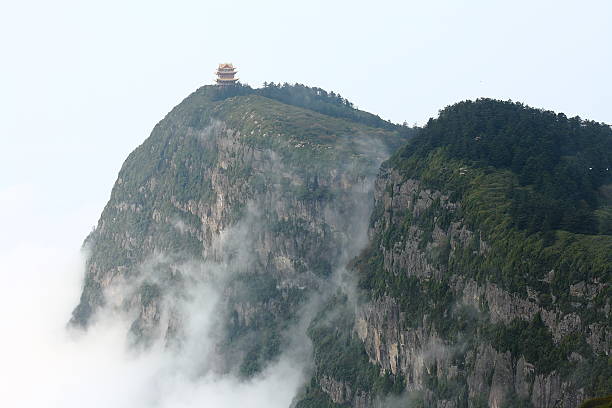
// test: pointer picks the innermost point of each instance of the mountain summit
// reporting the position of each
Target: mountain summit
(463, 264)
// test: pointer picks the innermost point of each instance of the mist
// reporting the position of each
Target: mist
(45, 363)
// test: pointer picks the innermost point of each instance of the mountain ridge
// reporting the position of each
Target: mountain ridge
(288, 209)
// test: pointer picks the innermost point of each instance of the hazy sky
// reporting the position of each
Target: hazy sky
(82, 83)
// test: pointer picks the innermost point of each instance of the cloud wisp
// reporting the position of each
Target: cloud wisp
(44, 364)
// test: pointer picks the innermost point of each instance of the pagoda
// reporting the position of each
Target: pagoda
(225, 74)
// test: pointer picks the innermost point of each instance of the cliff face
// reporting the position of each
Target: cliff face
(428, 281)
(465, 305)
(443, 357)
(262, 197)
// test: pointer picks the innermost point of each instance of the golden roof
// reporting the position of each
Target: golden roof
(225, 73)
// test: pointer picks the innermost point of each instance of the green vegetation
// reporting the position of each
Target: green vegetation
(314, 397)
(603, 402)
(341, 356)
(517, 258)
(311, 98)
(533, 188)
(306, 140)
(262, 338)
(445, 388)
(488, 197)
(531, 340)
(560, 163)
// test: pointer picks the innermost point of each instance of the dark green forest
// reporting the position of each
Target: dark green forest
(562, 163)
(537, 188)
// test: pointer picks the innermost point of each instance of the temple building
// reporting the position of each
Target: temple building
(225, 74)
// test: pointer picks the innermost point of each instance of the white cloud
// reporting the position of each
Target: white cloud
(46, 365)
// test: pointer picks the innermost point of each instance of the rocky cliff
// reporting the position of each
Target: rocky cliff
(471, 269)
(446, 340)
(469, 306)
(264, 198)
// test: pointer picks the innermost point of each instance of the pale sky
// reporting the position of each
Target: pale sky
(83, 83)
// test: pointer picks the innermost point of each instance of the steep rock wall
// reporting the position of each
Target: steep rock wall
(237, 185)
(446, 351)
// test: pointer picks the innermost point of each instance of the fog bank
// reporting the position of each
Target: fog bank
(46, 364)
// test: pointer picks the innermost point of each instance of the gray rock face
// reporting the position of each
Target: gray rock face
(398, 198)
(339, 392)
(232, 191)
(417, 351)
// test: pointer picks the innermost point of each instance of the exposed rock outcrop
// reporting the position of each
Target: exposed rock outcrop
(265, 197)
(468, 360)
